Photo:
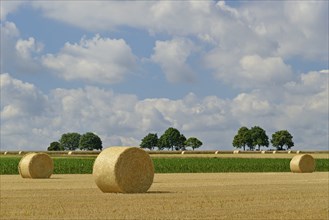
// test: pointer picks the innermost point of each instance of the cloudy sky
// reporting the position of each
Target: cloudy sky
(123, 69)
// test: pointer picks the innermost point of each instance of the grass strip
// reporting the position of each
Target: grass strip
(76, 165)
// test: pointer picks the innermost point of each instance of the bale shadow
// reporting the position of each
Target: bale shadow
(159, 192)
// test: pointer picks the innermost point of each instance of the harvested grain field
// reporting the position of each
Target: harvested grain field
(172, 196)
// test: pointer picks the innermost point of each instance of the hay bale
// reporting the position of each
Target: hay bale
(69, 153)
(183, 152)
(124, 170)
(5, 153)
(216, 152)
(289, 152)
(274, 152)
(262, 152)
(298, 152)
(303, 163)
(20, 152)
(36, 165)
(236, 151)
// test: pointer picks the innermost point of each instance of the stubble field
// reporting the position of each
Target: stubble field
(172, 196)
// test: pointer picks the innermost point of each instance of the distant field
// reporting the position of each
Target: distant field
(173, 164)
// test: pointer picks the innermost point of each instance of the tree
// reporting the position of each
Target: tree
(150, 141)
(242, 138)
(54, 146)
(258, 137)
(170, 138)
(70, 141)
(282, 138)
(193, 142)
(181, 144)
(90, 141)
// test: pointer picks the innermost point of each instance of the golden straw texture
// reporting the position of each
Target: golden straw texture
(303, 163)
(123, 169)
(36, 165)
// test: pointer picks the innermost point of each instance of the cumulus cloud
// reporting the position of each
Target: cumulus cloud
(19, 55)
(31, 119)
(271, 32)
(24, 48)
(249, 71)
(8, 7)
(100, 60)
(300, 28)
(172, 57)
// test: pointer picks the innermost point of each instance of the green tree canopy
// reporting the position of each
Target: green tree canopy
(70, 141)
(181, 144)
(170, 138)
(150, 141)
(258, 137)
(54, 146)
(193, 142)
(282, 138)
(242, 138)
(90, 141)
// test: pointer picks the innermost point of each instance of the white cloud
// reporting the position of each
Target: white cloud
(249, 46)
(172, 57)
(100, 60)
(268, 70)
(31, 119)
(300, 28)
(19, 99)
(18, 54)
(24, 48)
(8, 7)
(249, 71)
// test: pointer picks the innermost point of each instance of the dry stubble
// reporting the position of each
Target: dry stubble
(172, 196)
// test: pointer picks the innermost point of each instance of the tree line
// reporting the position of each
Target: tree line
(257, 137)
(170, 139)
(74, 141)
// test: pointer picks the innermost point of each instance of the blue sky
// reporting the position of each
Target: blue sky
(124, 69)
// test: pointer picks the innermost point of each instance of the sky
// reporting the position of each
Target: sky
(123, 69)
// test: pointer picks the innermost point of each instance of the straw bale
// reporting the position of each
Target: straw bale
(70, 152)
(236, 151)
(303, 163)
(123, 170)
(298, 152)
(216, 152)
(20, 152)
(5, 153)
(183, 152)
(263, 152)
(274, 152)
(289, 152)
(36, 165)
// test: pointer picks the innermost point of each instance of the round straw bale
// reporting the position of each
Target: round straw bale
(274, 152)
(289, 151)
(263, 152)
(20, 152)
(303, 163)
(298, 152)
(70, 152)
(36, 165)
(5, 153)
(236, 151)
(124, 170)
(217, 152)
(183, 152)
